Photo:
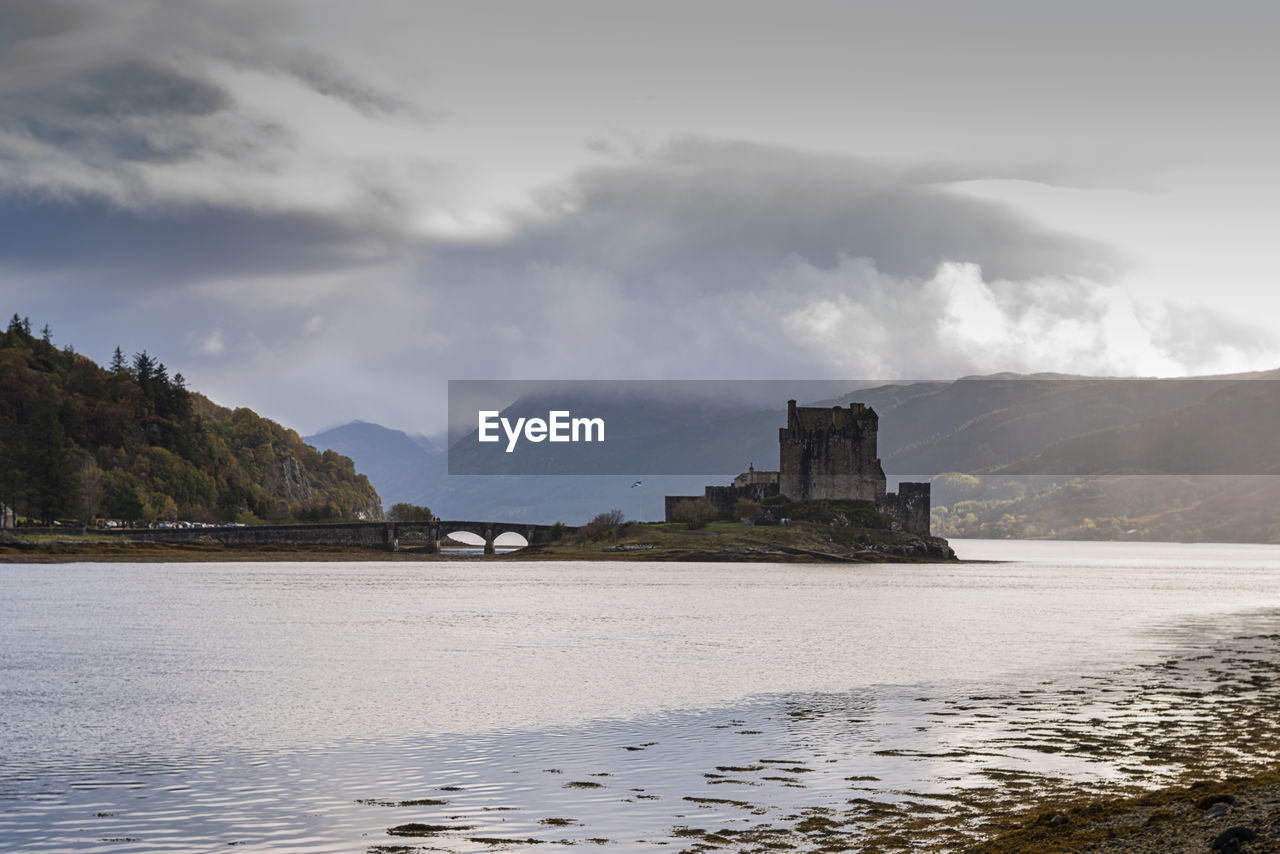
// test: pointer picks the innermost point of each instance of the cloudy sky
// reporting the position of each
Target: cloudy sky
(325, 210)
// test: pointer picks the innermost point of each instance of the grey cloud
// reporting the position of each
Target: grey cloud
(111, 115)
(129, 89)
(1197, 335)
(170, 107)
(325, 76)
(716, 215)
(21, 20)
(97, 247)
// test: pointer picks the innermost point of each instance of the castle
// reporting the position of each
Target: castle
(823, 454)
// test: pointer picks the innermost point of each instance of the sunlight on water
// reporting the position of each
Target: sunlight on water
(295, 707)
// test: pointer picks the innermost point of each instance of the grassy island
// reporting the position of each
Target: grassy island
(841, 531)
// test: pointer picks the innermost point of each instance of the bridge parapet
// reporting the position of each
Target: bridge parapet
(371, 535)
(534, 535)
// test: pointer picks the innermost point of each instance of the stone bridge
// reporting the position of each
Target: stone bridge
(371, 535)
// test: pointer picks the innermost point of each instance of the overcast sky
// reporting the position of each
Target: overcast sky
(326, 210)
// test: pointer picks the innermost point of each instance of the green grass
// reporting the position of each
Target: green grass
(17, 535)
(633, 539)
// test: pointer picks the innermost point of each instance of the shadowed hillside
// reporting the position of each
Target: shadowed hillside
(130, 442)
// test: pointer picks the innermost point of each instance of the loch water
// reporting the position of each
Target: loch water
(314, 707)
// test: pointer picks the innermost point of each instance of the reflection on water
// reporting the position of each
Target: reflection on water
(460, 702)
(877, 756)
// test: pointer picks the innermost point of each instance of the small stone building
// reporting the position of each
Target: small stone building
(825, 453)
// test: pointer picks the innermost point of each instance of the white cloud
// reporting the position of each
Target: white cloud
(857, 320)
(213, 344)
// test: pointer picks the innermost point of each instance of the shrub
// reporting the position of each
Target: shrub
(839, 511)
(603, 524)
(695, 513)
(404, 512)
(611, 519)
(745, 508)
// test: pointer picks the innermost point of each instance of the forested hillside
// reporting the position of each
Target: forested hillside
(131, 442)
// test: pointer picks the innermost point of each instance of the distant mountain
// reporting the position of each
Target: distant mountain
(988, 424)
(403, 470)
(379, 451)
(431, 444)
(1220, 427)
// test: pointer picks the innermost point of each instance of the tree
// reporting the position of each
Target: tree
(694, 512)
(91, 491)
(405, 512)
(52, 484)
(143, 369)
(745, 508)
(168, 510)
(604, 523)
(179, 399)
(117, 361)
(121, 496)
(610, 519)
(13, 460)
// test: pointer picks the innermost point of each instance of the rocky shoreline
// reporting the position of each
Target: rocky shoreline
(917, 550)
(1236, 816)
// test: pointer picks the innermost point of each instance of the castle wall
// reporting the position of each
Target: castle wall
(672, 501)
(723, 498)
(909, 505)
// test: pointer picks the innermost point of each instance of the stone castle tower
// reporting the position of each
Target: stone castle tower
(830, 453)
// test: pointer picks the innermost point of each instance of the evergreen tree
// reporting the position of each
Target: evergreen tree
(160, 391)
(46, 335)
(181, 399)
(143, 368)
(117, 361)
(51, 476)
(15, 323)
(12, 464)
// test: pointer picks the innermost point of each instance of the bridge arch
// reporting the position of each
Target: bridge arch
(460, 537)
(511, 539)
(513, 535)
